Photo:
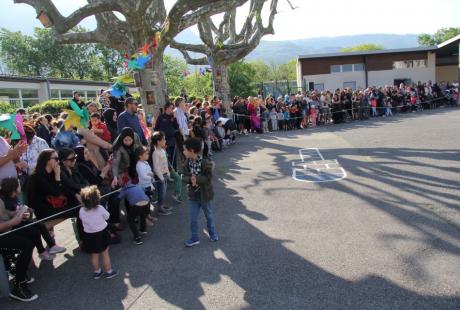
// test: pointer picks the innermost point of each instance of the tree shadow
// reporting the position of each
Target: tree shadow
(262, 268)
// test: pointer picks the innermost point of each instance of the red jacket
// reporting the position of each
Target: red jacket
(106, 136)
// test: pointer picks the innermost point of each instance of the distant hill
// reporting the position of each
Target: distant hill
(283, 51)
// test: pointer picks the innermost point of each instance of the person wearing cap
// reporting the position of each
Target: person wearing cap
(129, 118)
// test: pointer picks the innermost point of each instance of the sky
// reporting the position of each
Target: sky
(325, 18)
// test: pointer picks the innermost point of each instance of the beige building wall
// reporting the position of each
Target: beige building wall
(332, 81)
(447, 73)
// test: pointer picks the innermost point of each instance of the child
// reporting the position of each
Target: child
(388, 107)
(374, 107)
(197, 174)
(145, 176)
(280, 117)
(99, 128)
(223, 139)
(313, 113)
(143, 169)
(287, 119)
(161, 170)
(274, 119)
(9, 193)
(265, 117)
(138, 208)
(96, 238)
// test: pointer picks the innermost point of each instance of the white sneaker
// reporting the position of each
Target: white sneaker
(46, 256)
(56, 249)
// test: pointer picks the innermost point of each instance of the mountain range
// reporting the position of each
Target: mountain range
(279, 52)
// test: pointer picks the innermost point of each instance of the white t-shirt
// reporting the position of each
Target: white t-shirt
(8, 169)
(224, 120)
(94, 220)
(145, 174)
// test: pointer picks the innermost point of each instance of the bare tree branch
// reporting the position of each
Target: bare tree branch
(196, 48)
(63, 24)
(194, 61)
(239, 44)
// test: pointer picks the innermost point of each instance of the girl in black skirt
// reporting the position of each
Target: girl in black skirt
(96, 238)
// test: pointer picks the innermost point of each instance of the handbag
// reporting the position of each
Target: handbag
(57, 202)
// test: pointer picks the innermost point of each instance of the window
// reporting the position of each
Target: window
(29, 102)
(29, 93)
(91, 94)
(351, 85)
(55, 94)
(358, 67)
(9, 93)
(409, 64)
(319, 87)
(335, 68)
(81, 92)
(347, 68)
(66, 94)
(24, 97)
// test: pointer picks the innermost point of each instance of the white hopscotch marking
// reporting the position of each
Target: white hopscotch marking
(313, 168)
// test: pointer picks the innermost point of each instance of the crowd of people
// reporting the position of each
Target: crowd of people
(98, 157)
(309, 109)
(95, 159)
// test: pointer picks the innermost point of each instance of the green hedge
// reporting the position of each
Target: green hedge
(6, 107)
(53, 107)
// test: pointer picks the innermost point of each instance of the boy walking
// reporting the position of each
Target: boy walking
(197, 174)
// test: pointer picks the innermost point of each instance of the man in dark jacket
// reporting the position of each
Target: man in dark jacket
(167, 124)
(129, 118)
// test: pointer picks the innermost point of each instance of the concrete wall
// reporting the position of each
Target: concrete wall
(387, 77)
(333, 81)
(447, 73)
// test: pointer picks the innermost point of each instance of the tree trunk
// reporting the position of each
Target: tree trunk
(221, 84)
(153, 86)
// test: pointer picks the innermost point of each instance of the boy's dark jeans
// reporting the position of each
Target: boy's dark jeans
(140, 213)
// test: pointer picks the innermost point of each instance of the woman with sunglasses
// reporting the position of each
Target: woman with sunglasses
(72, 183)
(45, 182)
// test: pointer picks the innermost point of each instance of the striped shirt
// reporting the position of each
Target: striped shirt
(182, 121)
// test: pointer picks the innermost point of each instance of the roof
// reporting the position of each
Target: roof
(362, 53)
(385, 51)
(19, 78)
(452, 40)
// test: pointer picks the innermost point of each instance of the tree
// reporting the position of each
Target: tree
(363, 47)
(18, 54)
(438, 37)
(142, 19)
(262, 71)
(174, 74)
(274, 72)
(223, 45)
(198, 85)
(241, 77)
(38, 55)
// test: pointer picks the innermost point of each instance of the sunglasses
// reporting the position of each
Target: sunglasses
(55, 158)
(72, 158)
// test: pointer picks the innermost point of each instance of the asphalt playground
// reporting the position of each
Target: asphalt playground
(364, 215)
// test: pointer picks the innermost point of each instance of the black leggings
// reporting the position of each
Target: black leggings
(137, 212)
(20, 249)
(35, 233)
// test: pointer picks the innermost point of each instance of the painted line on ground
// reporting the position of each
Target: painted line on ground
(313, 168)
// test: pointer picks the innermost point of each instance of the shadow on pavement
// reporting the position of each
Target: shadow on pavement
(271, 276)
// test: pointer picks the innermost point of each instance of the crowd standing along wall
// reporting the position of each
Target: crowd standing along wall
(379, 68)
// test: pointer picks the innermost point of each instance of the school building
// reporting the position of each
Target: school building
(380, 68)
(25, 91)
